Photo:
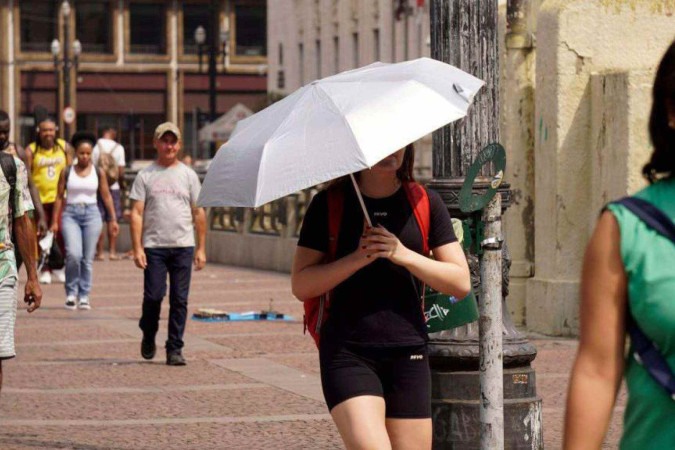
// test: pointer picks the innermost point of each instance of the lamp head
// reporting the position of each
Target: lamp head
(200, 35)
(55, 47)
(77, 47)
(65, 8)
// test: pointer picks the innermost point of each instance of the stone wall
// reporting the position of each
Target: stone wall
(590, 140)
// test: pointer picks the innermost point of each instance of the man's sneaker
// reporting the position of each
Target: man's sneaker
(45, 277)
(175, 359)
(70, 302)
(148, 349)
(60, 275)
(84, 303)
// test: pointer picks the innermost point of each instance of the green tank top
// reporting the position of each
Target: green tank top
(649, 261)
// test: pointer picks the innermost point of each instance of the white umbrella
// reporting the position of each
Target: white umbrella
(333, 127)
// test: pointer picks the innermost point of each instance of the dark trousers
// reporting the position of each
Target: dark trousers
(177, 263)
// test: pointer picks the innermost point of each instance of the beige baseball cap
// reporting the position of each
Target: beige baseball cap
(166, 127)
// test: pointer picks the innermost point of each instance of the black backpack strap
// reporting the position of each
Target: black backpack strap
(650, 215)
(646, 353)
(9, 171)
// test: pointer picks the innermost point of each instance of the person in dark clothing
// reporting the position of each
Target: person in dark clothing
(374, 366)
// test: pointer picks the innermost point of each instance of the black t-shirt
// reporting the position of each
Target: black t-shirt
(378, 306)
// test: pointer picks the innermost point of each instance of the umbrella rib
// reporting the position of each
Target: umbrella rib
(264, 149)
(351, 175)
(344, 119)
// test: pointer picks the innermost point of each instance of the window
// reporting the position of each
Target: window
(376, 44)
(336, 54)
(94, 26)
(38, 25)
(147, 28)
(281, 54)
(250, 30)
(318, 59)
(301, 62)
(134, 131)
(193, 17)
(355, 50)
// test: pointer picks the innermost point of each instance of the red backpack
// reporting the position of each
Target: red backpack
(318, 308)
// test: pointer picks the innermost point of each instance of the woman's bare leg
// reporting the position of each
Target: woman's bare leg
(361, 423)
(409, 434)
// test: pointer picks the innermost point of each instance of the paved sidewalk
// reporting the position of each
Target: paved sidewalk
(79, 381)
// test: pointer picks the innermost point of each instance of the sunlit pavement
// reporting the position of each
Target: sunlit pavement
(79, 380)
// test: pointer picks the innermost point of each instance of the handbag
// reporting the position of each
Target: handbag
(445, 312)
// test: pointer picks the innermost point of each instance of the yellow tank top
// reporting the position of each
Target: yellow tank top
(47, 167)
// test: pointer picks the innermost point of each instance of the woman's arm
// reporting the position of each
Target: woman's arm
(41, 217)
(104, 190)
(311, 278)
(448, 272)
(597, 371)
(58, 203)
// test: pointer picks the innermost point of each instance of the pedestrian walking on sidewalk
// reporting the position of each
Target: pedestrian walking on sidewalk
(45, 159)
(15, 203)
(627, 286)
(373, 347)
(16, 150)
(108, 155)
(80, 219)
(163, 237)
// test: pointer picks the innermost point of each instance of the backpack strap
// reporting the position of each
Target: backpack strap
(646, 353)
(9, 171)
(336, 200)
(419, 200)
(650, 215)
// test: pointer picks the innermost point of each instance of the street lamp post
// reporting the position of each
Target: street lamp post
(66, 63)
(200, 38)
(213, 35)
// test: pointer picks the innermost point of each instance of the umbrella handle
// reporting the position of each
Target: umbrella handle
(363, 205)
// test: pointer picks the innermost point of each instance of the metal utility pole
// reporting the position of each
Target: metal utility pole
(464, 33)
(490, 331)
(213, 36)
(66, 66)
(66, 63)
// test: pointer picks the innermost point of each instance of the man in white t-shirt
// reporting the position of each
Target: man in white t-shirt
(107, 144)
(168, 233)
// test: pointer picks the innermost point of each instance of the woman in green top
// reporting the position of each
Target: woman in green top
(629, 265)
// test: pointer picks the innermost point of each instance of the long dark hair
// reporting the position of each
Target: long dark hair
(662, 162)
(406, 171)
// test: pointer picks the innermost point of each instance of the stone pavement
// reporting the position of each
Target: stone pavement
(79, 381)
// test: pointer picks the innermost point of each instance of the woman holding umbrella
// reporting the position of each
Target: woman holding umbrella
(374, 364)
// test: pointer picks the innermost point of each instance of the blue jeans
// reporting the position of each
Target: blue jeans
(177, 263)
(80, 226)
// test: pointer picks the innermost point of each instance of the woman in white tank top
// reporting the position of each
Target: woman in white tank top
(81, 221)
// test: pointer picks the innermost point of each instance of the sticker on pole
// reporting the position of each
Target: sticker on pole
(470, 201)
(68, 115)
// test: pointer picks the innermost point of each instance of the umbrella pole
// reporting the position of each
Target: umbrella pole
(363, 205)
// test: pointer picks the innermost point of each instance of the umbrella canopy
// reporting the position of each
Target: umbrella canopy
(333, 127)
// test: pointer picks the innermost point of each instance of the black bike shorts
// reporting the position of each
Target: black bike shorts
(400, 375)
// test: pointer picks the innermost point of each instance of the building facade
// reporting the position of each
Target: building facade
(139, 65)
(312, 39)
(575, 101)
